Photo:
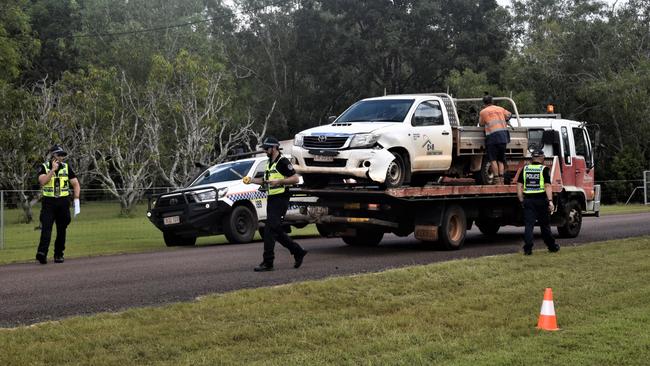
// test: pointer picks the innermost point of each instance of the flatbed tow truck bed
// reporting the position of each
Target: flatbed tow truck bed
(439, 213)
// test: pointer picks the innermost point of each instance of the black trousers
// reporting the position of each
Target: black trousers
(276, 208)
(536, 209)
(54, 210)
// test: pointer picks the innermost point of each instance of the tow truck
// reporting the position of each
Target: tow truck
(442, 211)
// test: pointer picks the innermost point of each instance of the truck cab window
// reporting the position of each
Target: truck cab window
(581, 147)
(428, 113)
(535, 139)
(385, 110)
(582, 144)
(565, 146)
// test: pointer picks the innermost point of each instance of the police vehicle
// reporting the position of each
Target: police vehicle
(215, 203)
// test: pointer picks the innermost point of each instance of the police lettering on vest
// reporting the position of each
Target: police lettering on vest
(533, 178)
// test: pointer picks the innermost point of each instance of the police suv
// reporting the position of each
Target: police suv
(215, 203)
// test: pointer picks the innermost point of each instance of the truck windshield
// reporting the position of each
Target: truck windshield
(224, 172)
(384, 110)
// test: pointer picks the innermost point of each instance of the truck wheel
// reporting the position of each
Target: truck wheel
(573, 215)
(364, 238)
(325, 231)
(485, 175)
(240, 225)
(488, 228)
(453, 229)
(396, 172)
(173, 240)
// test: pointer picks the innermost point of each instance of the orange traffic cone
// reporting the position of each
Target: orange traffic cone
(547, 320)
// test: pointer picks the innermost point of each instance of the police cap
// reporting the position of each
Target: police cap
(537, 153)
(58, 150)
(270, 142)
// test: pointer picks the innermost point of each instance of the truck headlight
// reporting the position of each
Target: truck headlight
(298, 140)
(364, 140)
(207, 195)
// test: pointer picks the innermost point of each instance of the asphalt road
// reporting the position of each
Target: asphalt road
(32, 293)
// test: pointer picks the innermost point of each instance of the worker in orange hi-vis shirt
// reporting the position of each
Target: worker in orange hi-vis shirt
(495, 120)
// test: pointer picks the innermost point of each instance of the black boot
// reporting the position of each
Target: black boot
(263, 267)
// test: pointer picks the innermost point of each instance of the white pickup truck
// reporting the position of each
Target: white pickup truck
(397, 139)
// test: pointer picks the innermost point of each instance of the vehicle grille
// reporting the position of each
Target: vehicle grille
(324, 142)
(174, 200)
(337, 163)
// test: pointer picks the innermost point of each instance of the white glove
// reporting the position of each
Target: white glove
(77, 208)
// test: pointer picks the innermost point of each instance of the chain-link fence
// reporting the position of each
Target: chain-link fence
(621, 191)
(103, 221)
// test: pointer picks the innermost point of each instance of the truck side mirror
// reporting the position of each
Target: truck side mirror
(331, 119)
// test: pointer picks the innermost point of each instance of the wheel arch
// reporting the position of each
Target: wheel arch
(402, 151)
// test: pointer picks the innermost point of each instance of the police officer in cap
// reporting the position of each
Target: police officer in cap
(55, 178)
(279, 174)
(535, 194)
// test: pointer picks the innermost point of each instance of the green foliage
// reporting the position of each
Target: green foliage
(17, 44)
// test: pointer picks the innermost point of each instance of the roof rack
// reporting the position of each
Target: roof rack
(515, 112)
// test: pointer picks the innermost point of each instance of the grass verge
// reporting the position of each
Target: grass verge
(467, 312)
(98, 230)
(623, 209)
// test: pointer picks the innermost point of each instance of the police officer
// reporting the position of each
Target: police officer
(534, 193)
(279, 173)
(55, 178)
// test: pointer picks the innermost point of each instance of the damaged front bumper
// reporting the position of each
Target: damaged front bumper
(359, 163)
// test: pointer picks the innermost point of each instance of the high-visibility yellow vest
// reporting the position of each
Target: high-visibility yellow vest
(271, 174)
(533, 178)
(59, 185)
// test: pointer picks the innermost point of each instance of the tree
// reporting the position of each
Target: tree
(24, 116)
(187, 105)
(17, 44)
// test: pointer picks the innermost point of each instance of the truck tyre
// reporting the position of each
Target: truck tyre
(485, 175)
(364, 238)
(573, 216)
(173, 240)
(240, 225)
(453, 229)
(488, 228)
(325, 231)
(396, 172)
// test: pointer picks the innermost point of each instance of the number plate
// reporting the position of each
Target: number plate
(171, 220)
(322, 158)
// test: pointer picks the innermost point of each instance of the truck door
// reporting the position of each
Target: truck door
(260, 202)
(568, 168)
(583, 161)
(431, 138)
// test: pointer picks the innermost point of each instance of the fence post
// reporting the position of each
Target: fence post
(2, 219)
(646, 187)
